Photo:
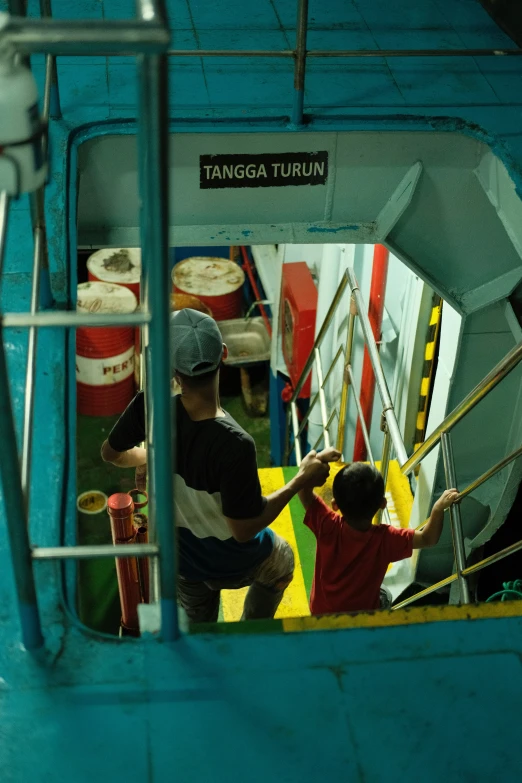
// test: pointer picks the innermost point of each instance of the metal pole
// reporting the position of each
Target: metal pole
(322, 397)
(306, 416)
(509, 550)
(380, 380)
(361, 419)
(300, 62)
(153, 139)
(73, 320)
(343, 408)
(344, 53)
(320, 337)
(91, 37)
(27, 436)
(491, 472)
(456, 521)
(295, 427)
(89, 552)
(12, 491)
(427, 591)
(385, 464)
(4, 211)
(492, 379)
(53, 99)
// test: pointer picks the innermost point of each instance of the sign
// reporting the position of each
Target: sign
(266, 170)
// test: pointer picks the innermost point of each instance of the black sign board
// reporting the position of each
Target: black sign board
(267, 170)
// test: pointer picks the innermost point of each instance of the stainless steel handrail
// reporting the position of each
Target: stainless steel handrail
(150, 37)
(489, 473)
(465, 572)
(380, 380)
(362, 422)
(322, 397)
(469, 571)
(481, 390)
(87, 37)
(342, 53)
(14, 501)
(27, 431)
(455, 517)
(88, 552)
(357, 307)
(73, 320)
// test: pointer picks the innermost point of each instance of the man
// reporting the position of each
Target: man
(224, 539)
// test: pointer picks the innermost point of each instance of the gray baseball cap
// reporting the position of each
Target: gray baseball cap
(196, 345)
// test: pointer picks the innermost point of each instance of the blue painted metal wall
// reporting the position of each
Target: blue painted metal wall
(362, 704)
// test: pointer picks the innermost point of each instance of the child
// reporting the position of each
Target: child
(353, 554)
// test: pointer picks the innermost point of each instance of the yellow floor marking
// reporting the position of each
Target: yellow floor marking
(295, 602)
(415, 614)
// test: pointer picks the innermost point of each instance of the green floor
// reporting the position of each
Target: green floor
(98, 601)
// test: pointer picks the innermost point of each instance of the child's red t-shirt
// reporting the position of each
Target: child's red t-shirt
(350, 564)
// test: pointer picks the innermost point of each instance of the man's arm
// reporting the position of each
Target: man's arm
(431, 532)
(121, 447)
(312, 472)
(307, 494)
(132, 458)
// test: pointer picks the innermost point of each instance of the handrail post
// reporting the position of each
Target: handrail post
(153, 140)
(322, 397)
(12, 490)
(295, 427)
(300, 62)
(455, 517)
(343, 407)
(380, 380)
(385, 462)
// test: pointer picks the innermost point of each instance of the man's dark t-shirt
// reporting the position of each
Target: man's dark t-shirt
(216, 477)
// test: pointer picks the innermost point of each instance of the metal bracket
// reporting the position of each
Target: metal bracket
(398, 203)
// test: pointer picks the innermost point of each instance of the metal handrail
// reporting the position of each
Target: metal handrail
(89, 37)
(380, 380)
(73, 320)
(465, 572)
(358, 307)
(87, 552)
(149, 36)
(481, 390)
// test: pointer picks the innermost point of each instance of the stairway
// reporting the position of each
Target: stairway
(290, 526)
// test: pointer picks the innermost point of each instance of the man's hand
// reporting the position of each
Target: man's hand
(329, 455)
(140, 477)
(313, 472)
(447, 499)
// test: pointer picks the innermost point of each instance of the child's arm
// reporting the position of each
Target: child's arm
(307, 494)
(431, 532)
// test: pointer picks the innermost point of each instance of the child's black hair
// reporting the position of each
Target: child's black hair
(358, 490)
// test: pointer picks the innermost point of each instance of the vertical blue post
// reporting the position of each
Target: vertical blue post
(153, 138)
(12, 491)
(300, 62)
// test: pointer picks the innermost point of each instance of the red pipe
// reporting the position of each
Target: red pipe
(247, 267)
(375, 314)
(121, 508)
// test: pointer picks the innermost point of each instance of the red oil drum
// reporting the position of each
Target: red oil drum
(217, 282)
(104, 356)
(121, 266)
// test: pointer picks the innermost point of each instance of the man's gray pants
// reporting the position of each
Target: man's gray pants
(267, 583)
